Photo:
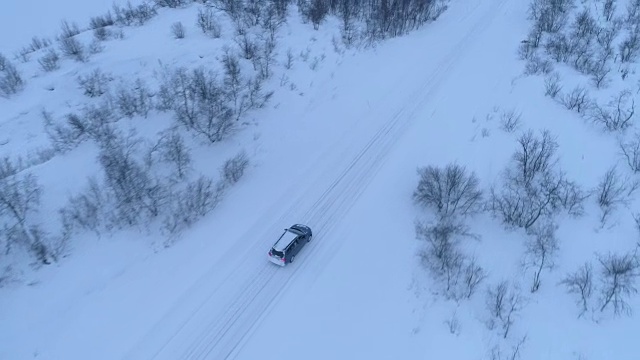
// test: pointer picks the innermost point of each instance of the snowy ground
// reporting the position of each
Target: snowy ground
(337, 151)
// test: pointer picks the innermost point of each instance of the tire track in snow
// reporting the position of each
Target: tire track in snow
(261, 285)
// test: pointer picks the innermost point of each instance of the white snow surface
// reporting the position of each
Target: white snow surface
(338, 152)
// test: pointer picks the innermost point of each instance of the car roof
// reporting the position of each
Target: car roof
(285, 239)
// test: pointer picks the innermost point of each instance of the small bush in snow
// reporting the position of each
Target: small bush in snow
(50, 61)
(69, 30)
(458, 274)
(617, 115)
(133, 15)
(552, 85)
(95, 84)
(208, 23)
(541, 251)
(533, 186)
(133, 99)
(73, 48)
(171, 149)
(234, 168)
(87, 209)
(178, 30)
(504, 303)
(578, 100)
(11, 81)
(100, 22)
(613, 191)
(619, 281)
(450, 191)
(101, 33)
(510, 120)
(580, 283)
(38, 43)
(196, 201)
(172, 3)
(631, 152)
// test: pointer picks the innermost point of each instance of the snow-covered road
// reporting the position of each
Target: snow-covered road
(213, 318)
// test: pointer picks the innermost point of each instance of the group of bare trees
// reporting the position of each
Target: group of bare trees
(379, 18)
(11, 80)
(611, 288)
(453, 194)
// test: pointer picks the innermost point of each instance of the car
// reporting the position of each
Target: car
(289, 244)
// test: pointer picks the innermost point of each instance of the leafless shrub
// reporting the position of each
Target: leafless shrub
(133, 15)
(288, 64)
(552, 85)
(95, 47)
(172, 3)
(631, 152)
(73, 48)
(248, 46)
(196, 201)
(133, 99)
(580, 283)
(208, 23)
(618, 114)
(619, 277)
(628, 48)
(533, 186)
(172, 149)
(50, 61)
(504, 303)
(101, 33)
(69, 30)
(538, 65)
(578, 100)
(178, 30)
(95, 84)
(459, 274)
(510, 120)
(11, 81)
(541, 251)
(87, 209)
(613, 191)
(450, 191)
(99, 22)
(496, 352)
(608, 9)
(234, 168)
(94, 122)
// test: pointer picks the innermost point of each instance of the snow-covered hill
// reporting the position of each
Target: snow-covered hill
(335, 146)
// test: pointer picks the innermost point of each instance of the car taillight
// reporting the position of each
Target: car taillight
(270, 253)
(282, 259)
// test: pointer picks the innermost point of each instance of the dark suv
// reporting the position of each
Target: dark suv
(289, 244)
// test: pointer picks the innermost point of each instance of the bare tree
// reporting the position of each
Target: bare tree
(613, 191)
(234, 168)
(19, 201)
(533, 185)
(504, 302)
(619, 277)
(178, 30)
(73, 48)
(510, 120)
(609, 9)
(171, 149)
(541, 251)
(197, 200)
(96, 83)
(69, 30)
(619, 113)
(578, 100)
(442, 257)
(629, 47)
(450, 191)
(133, 99)
(50, 61)
(11, 81)
(208, 23)
(631, 152)
(552, 85)
(87, 210)
(580, 283)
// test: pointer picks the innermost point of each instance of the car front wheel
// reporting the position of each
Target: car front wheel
(291, 260)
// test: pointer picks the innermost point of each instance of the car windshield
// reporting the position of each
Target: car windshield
(277, 253)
